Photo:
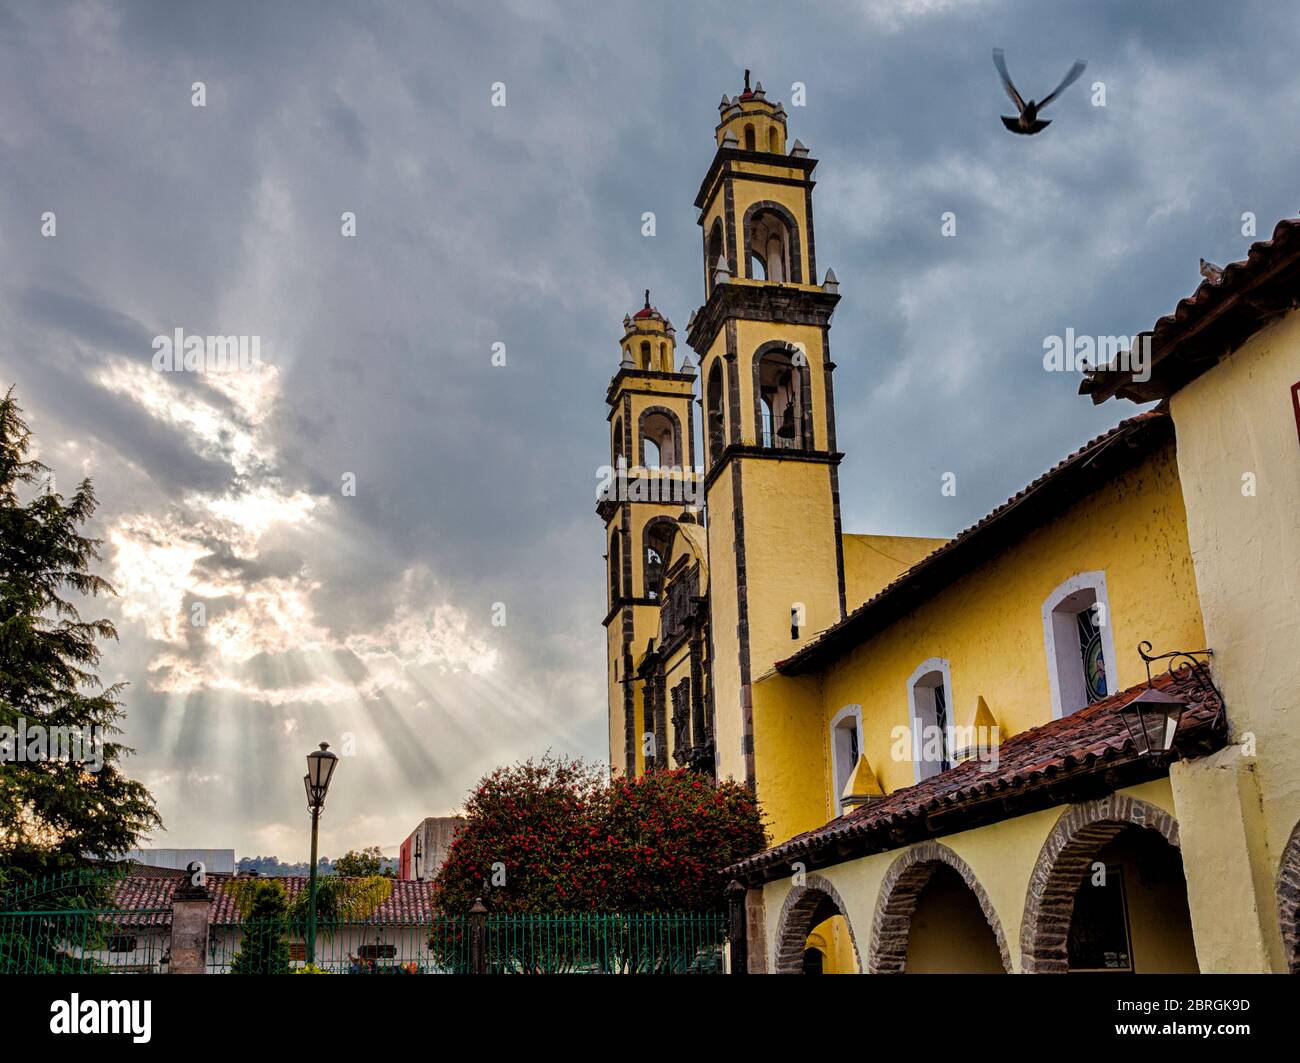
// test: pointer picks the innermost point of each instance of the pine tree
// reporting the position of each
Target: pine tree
(265, 945)
(55, 813)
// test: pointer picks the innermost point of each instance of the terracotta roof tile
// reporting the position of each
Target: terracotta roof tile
(1089, 741)
(142, 891)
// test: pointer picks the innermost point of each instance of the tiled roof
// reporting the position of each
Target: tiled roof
(144, 890)
(1085, 753)
(1217, 317)
(1051, 493)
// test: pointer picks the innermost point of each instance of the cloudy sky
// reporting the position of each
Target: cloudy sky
(371, 614)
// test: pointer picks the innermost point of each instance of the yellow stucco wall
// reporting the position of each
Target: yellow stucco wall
(989, 624)
(1001, 856)
(1234, 422)
(873, 561)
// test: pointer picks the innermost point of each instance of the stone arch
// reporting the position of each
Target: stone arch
(891, 926)
(792, 233)
(673, 421)
(802, 371)
(1288, 901)
(805, 906)
(1063, 864)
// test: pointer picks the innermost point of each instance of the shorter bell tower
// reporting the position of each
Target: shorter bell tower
(651, 481)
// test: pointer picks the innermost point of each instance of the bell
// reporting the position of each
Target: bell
(786, 431)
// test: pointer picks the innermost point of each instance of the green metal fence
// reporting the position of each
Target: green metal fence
(73, 923)
(278, 946)
(68, 924)
(599, 943)
(85, 941)
(582, 943)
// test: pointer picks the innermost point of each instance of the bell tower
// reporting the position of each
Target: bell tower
(652, 480)
(771, 464)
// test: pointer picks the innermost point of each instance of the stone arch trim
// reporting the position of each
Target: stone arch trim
(1062, 865)
(1288, 901)
(805, 388)
(673, 419)
(796, 921)
(783, 212)
(891, 926)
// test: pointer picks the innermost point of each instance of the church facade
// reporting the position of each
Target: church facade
(1064, 740)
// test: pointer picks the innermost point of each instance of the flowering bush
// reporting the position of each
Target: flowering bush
(551, 835)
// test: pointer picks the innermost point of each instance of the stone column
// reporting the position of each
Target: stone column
(189, 947)
(1221, 836)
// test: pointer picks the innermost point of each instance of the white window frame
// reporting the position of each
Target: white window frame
(916, 714)
(1061, 642)
(849, 712)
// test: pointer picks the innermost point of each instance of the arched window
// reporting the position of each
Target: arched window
(615, 573)
(1080, 649)
(714, 414)
(771, 243)
(658, 537)
(660, 439)
(780, 394)
(846, 747)
(750, 143)
(714, 250)
(929, 701)
(645, 355)
(773, 140)
(617, 448)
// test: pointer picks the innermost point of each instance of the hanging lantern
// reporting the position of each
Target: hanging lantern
(1152, 719)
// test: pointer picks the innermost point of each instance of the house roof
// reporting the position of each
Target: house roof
(1225, 309)
(1049, 495)
(149, 894)
(1075, 757)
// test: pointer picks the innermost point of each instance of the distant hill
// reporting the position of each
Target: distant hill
(273, 867)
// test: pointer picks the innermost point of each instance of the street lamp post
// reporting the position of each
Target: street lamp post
(320, 769)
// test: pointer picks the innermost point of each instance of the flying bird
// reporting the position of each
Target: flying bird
(1028, 122)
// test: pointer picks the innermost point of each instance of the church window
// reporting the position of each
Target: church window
(929, 693)
(713, 402)
(713, 252)
(1078, 641)
(846, 747)
(769, 246)
(781, 401)
(773, 140)
(657, 537)
(660, 439)
(750, 142)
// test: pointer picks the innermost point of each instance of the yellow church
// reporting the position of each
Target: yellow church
(1065, 740)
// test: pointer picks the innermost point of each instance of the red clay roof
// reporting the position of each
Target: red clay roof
(1053, 492)
(1089, 751)
(142, 890)
(1216, 318)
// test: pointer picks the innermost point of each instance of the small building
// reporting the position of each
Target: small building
(214, 861)
(425, 850)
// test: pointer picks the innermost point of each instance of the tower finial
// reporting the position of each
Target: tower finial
(746, 80)
(647, 298)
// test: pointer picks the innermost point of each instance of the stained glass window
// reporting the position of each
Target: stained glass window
(941, 723)
(1094, 663)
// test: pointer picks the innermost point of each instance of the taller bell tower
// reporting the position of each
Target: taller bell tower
(771, 464)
